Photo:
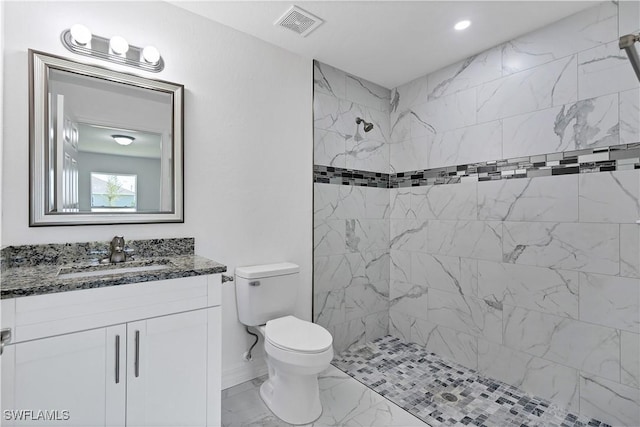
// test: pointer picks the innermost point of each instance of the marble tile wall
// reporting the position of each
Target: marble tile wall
(351, 222)
(339, 98)
(564, 87)
(351, 262)
(533, 281)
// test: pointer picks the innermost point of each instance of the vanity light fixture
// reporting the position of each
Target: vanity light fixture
(80, 34)
(78, 39)
(151, 55)
(118, 45)
(462, 25)
(123, 139)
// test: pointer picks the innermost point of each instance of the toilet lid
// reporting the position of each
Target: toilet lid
(293, 334)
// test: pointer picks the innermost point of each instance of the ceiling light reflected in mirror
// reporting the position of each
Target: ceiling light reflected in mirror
(123, 139)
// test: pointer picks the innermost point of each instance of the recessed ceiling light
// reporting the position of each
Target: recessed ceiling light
(462, 25)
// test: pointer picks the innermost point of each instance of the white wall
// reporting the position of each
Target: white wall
(1, 108)
(248, 140)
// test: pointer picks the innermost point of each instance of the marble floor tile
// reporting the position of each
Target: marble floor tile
(385, 414)
(346, 402)
(331, 377)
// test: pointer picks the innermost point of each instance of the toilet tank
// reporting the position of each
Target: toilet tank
(266, 292)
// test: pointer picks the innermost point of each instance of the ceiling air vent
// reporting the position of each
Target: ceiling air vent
(299, 21)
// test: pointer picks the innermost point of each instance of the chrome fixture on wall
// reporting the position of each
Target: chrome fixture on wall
(78, 39)
(367, 126)
(626, 42)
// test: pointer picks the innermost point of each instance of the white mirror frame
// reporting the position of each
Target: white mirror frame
(39, 64)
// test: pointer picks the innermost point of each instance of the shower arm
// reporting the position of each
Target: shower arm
(627, 43)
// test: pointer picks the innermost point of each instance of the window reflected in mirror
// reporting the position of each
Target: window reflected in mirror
(113, 193)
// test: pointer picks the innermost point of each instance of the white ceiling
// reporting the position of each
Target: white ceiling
(389, 42)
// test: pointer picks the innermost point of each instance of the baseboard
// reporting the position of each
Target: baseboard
(241, 373)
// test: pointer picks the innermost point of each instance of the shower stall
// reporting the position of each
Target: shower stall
(489, 216)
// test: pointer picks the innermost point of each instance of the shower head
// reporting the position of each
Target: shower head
(367, 126)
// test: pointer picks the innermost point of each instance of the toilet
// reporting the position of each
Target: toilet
(297, 350)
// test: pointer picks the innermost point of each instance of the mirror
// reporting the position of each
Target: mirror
(106, 147)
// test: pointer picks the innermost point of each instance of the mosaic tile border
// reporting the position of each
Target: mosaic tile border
(341, 176)
(602, 159)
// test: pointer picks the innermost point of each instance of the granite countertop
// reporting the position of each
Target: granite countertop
(39, 278)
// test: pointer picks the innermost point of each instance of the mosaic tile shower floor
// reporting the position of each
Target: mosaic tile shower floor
(440, 392)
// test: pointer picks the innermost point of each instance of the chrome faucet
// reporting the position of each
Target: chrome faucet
(116, 250)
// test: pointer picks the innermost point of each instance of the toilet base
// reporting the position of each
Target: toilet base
(295, 399)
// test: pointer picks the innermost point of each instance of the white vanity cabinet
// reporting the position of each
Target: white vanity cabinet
(145, 354)
(166, 370)
(59, 373)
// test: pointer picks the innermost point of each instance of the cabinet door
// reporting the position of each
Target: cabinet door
(167, 371)
(63, 379)
(214, 367)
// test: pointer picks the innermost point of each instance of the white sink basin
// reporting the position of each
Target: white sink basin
(111, 271)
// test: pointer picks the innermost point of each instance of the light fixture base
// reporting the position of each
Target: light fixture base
(98, 47)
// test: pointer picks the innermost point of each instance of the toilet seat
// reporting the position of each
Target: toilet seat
(292, 334)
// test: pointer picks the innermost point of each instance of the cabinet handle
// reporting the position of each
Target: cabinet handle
(137, 362)
(5, 337)
(117, 359)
